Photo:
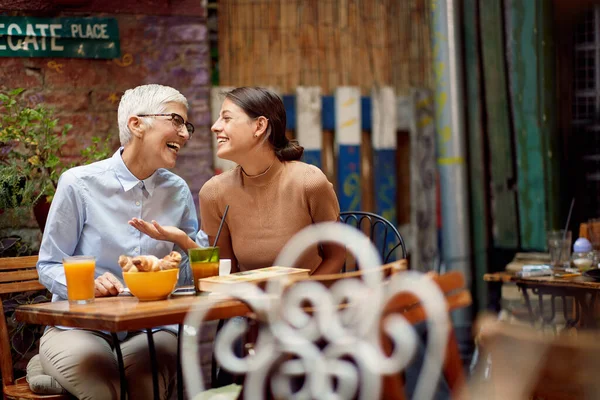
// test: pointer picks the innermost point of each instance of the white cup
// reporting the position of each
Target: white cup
(224, 267)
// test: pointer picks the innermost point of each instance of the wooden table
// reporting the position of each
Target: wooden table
(127, 313)
(584, 290)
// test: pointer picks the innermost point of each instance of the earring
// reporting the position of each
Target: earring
(255, 135)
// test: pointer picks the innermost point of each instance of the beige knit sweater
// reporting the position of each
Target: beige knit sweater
(265, 211)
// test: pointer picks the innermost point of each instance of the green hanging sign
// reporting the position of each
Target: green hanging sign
(59, 37)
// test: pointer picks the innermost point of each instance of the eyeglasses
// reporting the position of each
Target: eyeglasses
(177, 120)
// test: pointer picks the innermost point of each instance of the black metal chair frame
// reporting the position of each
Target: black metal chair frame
(356, 218)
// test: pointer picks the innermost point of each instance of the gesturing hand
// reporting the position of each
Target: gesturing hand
(107, 285)
(155, 230)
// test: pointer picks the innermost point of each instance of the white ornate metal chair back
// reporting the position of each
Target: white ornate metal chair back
(319, 345)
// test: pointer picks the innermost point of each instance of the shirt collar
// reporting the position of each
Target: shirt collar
(126, 178)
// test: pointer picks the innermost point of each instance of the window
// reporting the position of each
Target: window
(586, 101)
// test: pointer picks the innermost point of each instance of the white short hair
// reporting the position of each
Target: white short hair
(145, 99)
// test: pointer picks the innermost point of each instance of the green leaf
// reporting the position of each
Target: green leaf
(16, 92)
(52, 161)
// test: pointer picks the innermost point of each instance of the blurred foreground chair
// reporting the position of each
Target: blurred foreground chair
(337, 335)
(525, 364)
(17, 275)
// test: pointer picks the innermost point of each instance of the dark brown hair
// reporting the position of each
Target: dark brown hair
(256, 102)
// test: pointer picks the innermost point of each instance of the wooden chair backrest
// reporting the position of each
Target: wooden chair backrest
(453, 286)
(17, 274)
(591, 231)
(526, 364)
(387, 270)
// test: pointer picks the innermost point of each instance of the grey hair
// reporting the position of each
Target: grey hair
(145, 99)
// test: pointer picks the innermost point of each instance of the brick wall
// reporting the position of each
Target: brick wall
(165, 49)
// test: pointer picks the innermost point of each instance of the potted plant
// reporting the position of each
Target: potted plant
(30, 155)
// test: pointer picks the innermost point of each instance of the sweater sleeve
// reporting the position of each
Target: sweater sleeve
(322, 201)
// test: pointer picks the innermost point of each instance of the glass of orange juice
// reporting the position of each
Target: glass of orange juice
(204, 262)
(79, 271)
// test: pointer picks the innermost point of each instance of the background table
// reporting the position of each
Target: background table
(583, 290)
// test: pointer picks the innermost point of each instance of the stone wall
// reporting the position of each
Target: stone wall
(166, 49)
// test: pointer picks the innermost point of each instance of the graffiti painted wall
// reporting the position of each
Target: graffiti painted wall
(167, 49)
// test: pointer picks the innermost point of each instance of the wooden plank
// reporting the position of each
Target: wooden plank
(328, 156)
(345, 45)
(348, 138)
(308, 123)
(476, 147)
(551, 139)
(523, 68)
(403, 192)
(384, 153)
(326, 39)
(18, 287)
(18, 262)
(273, 56)
(423, 186)
(22, 275)
(289, 103)
(224, 42)
(504, 210)
(367, 185)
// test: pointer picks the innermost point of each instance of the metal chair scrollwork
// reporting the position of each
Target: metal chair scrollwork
(325, 342)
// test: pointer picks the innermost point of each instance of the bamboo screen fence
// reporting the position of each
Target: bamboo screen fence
(326, 43)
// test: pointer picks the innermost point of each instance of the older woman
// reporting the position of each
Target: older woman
(270, 193)
(89, 215)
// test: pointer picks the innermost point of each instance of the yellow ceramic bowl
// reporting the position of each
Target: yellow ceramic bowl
(151, 285)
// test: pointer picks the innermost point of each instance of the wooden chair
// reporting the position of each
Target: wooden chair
(525, 364)
(17, 274)
(452, 285)
(591, 231)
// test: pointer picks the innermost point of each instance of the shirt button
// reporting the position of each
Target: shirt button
(137, 203)
(137, 249)
(141, 184)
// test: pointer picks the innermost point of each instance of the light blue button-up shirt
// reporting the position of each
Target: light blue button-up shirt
(89, 215)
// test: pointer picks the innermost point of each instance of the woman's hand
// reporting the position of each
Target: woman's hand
(168, 233)
(107, 285)
(157, 231)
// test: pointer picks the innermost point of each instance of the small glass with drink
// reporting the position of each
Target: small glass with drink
(79, 273)
(204, 262)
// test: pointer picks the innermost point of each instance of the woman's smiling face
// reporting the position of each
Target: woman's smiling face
(234, 130)
(164, 139)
